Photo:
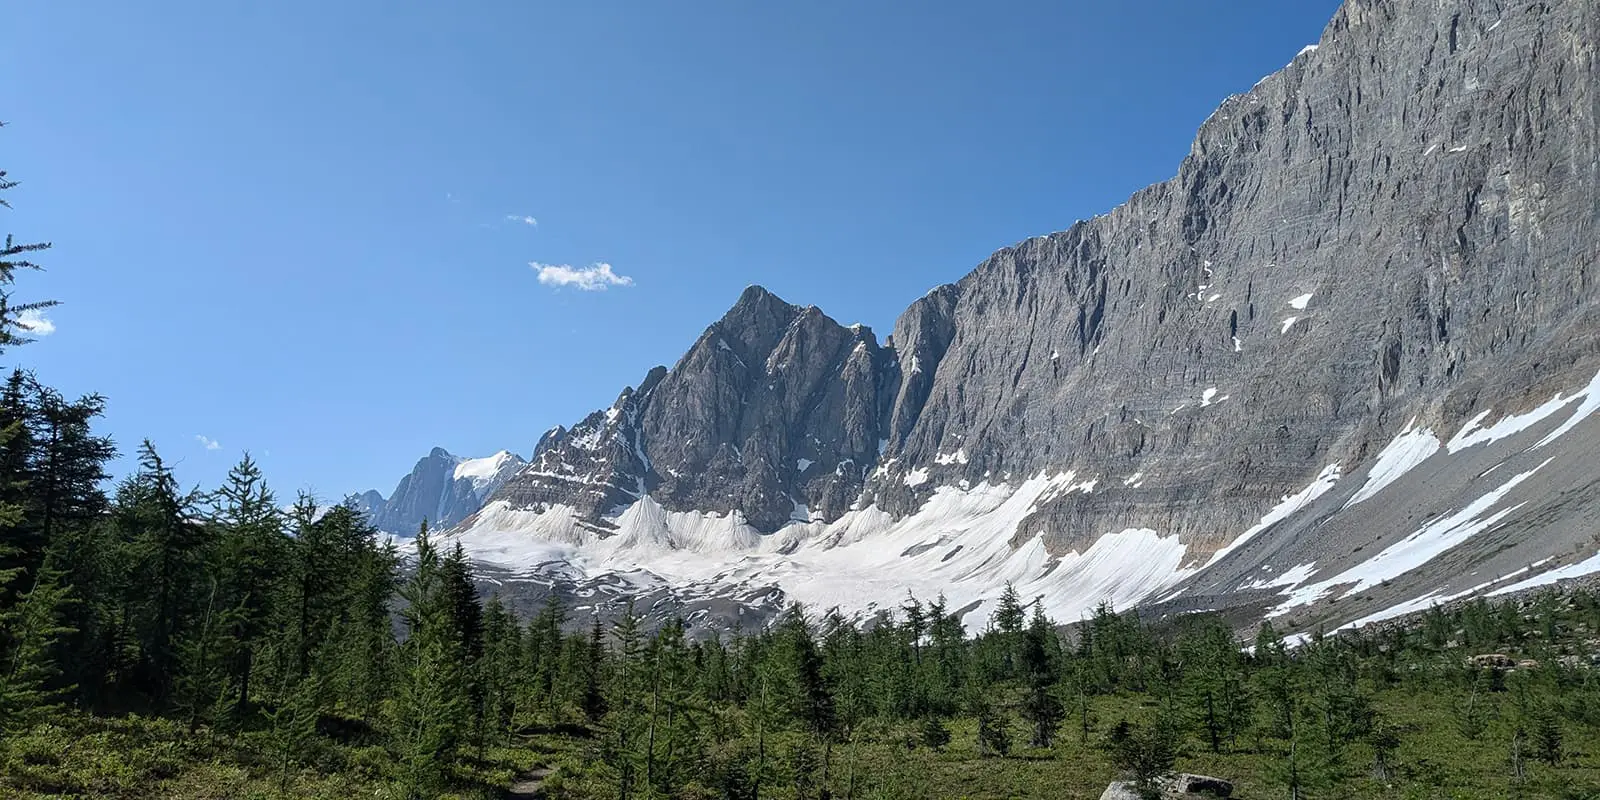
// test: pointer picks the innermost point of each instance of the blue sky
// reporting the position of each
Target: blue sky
(296, 227)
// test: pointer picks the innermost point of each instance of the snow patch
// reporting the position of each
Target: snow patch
(916, 477)
(1288, 322)
(1417, 549)
(1472, 434)
(483, 468)
(1299, 303)
(1410, 448)
(803, 464)
(1283, 510)
(958, 543)
(958, 457)
(1291, 578)
(1587, 566)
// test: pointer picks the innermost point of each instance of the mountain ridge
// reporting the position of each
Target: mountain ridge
(1366, 209)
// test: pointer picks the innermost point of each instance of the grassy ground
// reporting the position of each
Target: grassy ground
(135, 757)
(77, 755)
(1434, 761)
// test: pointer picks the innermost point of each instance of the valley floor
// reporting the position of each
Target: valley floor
(77, 755)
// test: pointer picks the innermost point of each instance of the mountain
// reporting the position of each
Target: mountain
(442, 489)
(1342, 365)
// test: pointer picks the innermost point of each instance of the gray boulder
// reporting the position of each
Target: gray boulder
(1181, 786)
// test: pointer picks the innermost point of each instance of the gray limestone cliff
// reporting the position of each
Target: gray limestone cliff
(1401, 223)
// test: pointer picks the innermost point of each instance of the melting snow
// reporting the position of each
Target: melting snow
(1283, 510)
(1415, 550)
(1471, 434)
(1431, 599)
(1410, 448)
(1587, 566)
(1295, 576)
(958, 543)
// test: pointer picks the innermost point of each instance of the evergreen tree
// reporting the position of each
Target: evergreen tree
(1040, 671)
(251, 548)
(168, 546)
(28, 630)
(428, 710)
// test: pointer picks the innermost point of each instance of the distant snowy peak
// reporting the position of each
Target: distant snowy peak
(442, 489)
(486, 474)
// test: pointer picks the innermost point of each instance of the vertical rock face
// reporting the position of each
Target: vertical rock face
(596, 466)
(441, 489)
(1392, 236)
(1399, 223)
(775, 413)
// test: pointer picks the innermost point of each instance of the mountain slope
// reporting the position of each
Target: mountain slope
(441, 489)
(1396, 233)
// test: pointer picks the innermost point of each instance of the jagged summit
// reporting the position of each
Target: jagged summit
(1240, 383)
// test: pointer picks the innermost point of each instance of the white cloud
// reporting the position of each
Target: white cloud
(590, 279)
(524, 219)
(207, 443)
(36, 323)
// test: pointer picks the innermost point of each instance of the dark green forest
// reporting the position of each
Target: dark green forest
(157, 641)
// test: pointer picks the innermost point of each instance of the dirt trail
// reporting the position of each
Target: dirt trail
(530, 785)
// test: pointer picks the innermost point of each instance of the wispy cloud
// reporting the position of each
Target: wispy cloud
(450, 197)
(596, 278)
(207, 443)
(36, 323)
(524, 219)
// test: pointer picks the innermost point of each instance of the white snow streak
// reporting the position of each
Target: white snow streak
(1282, 511)
(1410, 448)
(1587, 566)
(1471, 434)
(1413, 551)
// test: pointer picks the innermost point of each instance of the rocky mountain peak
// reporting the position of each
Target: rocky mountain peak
(1377, 245)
